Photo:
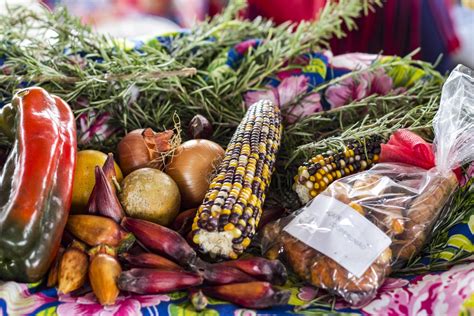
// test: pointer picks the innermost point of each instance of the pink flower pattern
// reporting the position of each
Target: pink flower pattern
(353, 61)
(285, 95)
(125, 305)
(350, 89)
(358, 87)
(19, 300)
(468, 175)
(430, 294)
(92, 126)
(307, 293)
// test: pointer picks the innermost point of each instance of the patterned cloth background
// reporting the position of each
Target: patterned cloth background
(447, 293)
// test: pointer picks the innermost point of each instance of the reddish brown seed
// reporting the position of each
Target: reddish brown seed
(103, 199)
(200, 127)
(95, 230)
(184, 221)
(262, 269)
(103, 272)
(249, 295)
(270, 214)
(218, 274)
(72, 272)
(161, 239)
(153, 281)
(149, 260)
(54, 270)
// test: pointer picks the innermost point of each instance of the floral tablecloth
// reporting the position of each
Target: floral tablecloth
(448, 293)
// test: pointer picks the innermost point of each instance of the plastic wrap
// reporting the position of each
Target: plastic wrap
(348, 239)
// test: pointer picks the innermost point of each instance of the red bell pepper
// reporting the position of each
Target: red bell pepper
(36, 182)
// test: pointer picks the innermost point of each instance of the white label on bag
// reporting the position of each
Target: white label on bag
(340, 232)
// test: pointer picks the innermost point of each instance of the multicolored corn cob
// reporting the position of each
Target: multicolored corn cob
(229, 215)
(320, 171)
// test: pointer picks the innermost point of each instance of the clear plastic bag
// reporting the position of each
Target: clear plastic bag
(348, 239)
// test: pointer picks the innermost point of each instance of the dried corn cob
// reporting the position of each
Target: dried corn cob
(229, 215)
(317, 173)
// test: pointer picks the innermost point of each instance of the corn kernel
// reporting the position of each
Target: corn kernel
(233, 255)
(253, 200)
(357, 207)
(237, 209)
(248, 211)
(215, 209)
(226, 212)
(251, 221)
(229, 227)
(397, 226)
(342, 162)
(236, 233)
(246, 242)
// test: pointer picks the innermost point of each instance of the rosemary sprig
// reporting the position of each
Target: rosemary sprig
(416, 118)
(57, 52)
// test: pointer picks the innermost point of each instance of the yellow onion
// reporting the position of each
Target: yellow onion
(143, 148)
(191, 168)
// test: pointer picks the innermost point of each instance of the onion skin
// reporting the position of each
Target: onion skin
(133, 152)
(142, 148)
(191, 167)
